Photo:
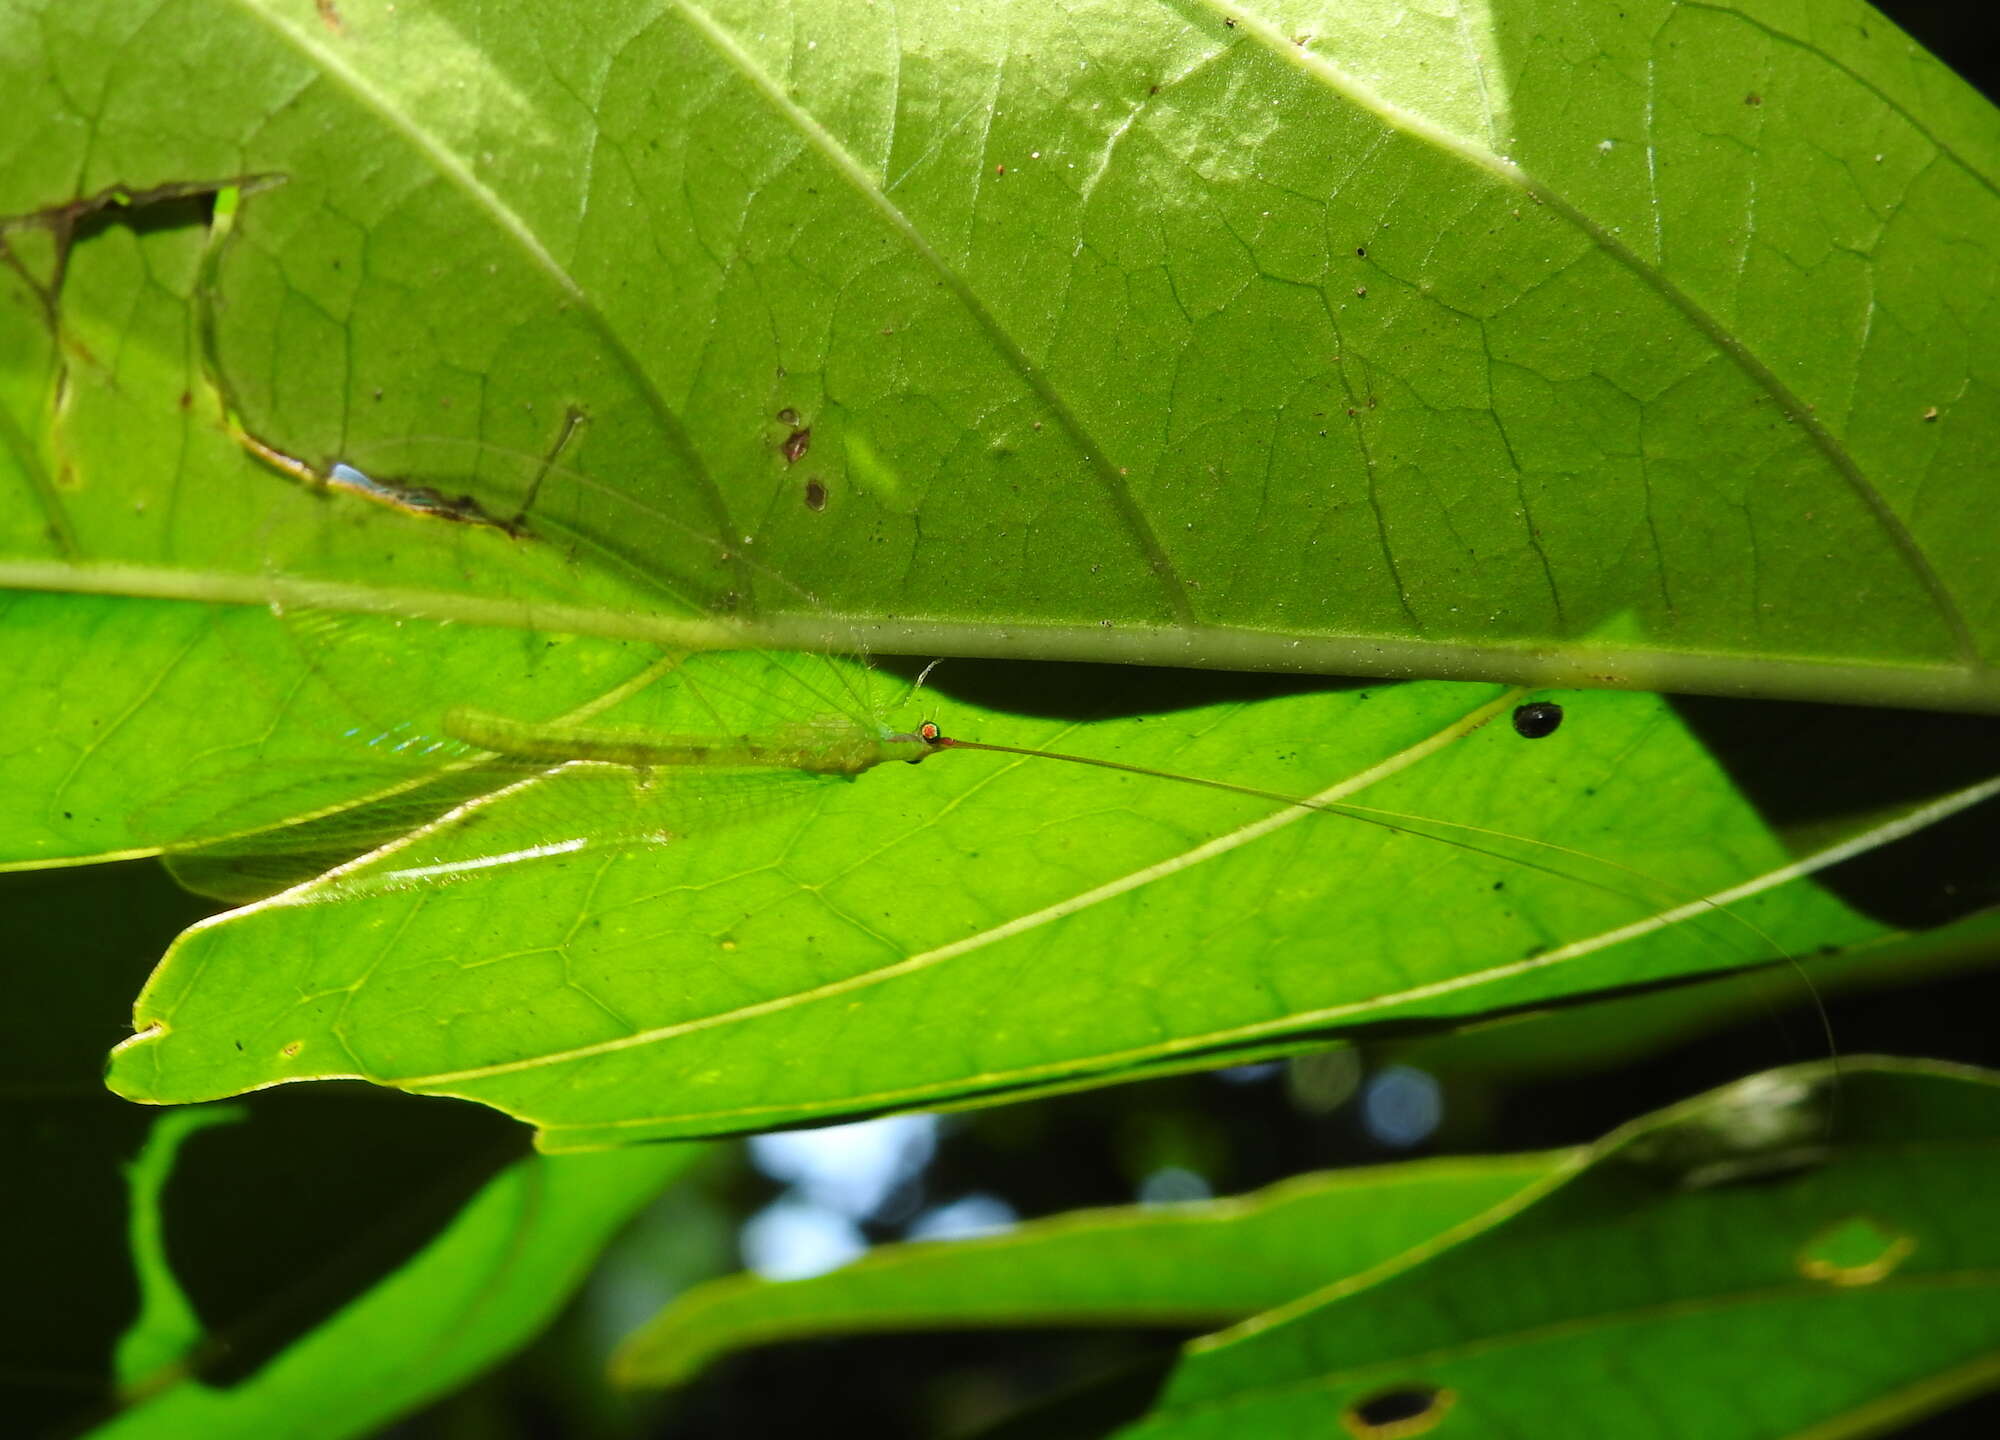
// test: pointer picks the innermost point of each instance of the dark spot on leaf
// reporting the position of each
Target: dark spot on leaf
(796, 444)
(1753, 98)
(815, 494)
(1538, 720)
(1401, 1411)
(1362, 251)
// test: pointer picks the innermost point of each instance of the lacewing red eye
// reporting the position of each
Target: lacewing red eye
(930, 732)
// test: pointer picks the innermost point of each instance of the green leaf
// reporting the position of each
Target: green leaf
(982, 926)
(1196, 1264)
(485, 1286)
(1664, 329)
(1728, 1267)
(167, 1327)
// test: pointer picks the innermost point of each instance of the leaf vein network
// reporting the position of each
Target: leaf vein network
(1139, 527)
(1951, 615)
(453, 169)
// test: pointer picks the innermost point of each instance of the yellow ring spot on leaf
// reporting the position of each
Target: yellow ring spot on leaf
(1858, 1250)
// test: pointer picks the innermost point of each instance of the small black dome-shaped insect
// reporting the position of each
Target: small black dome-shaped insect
(1537, 720)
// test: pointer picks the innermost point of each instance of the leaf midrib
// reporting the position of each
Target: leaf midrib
(1290, 1024)
(1174, 864)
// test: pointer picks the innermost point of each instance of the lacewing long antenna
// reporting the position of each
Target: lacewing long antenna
(1386, 819)
(1393, 820)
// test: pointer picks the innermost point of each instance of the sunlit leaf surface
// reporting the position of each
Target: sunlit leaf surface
(1538, 340)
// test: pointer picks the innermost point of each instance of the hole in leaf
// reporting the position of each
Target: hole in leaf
(1858, 1250)
(1397, 1412)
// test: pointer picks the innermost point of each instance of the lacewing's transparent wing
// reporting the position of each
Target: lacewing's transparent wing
(387, 778)
(373, 694)
(240, 837)
(474, 821)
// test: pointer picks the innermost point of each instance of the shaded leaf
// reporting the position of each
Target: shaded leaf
(485, 1286)
(1194, 1264)
(309, 1270)
(1728, 1267)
